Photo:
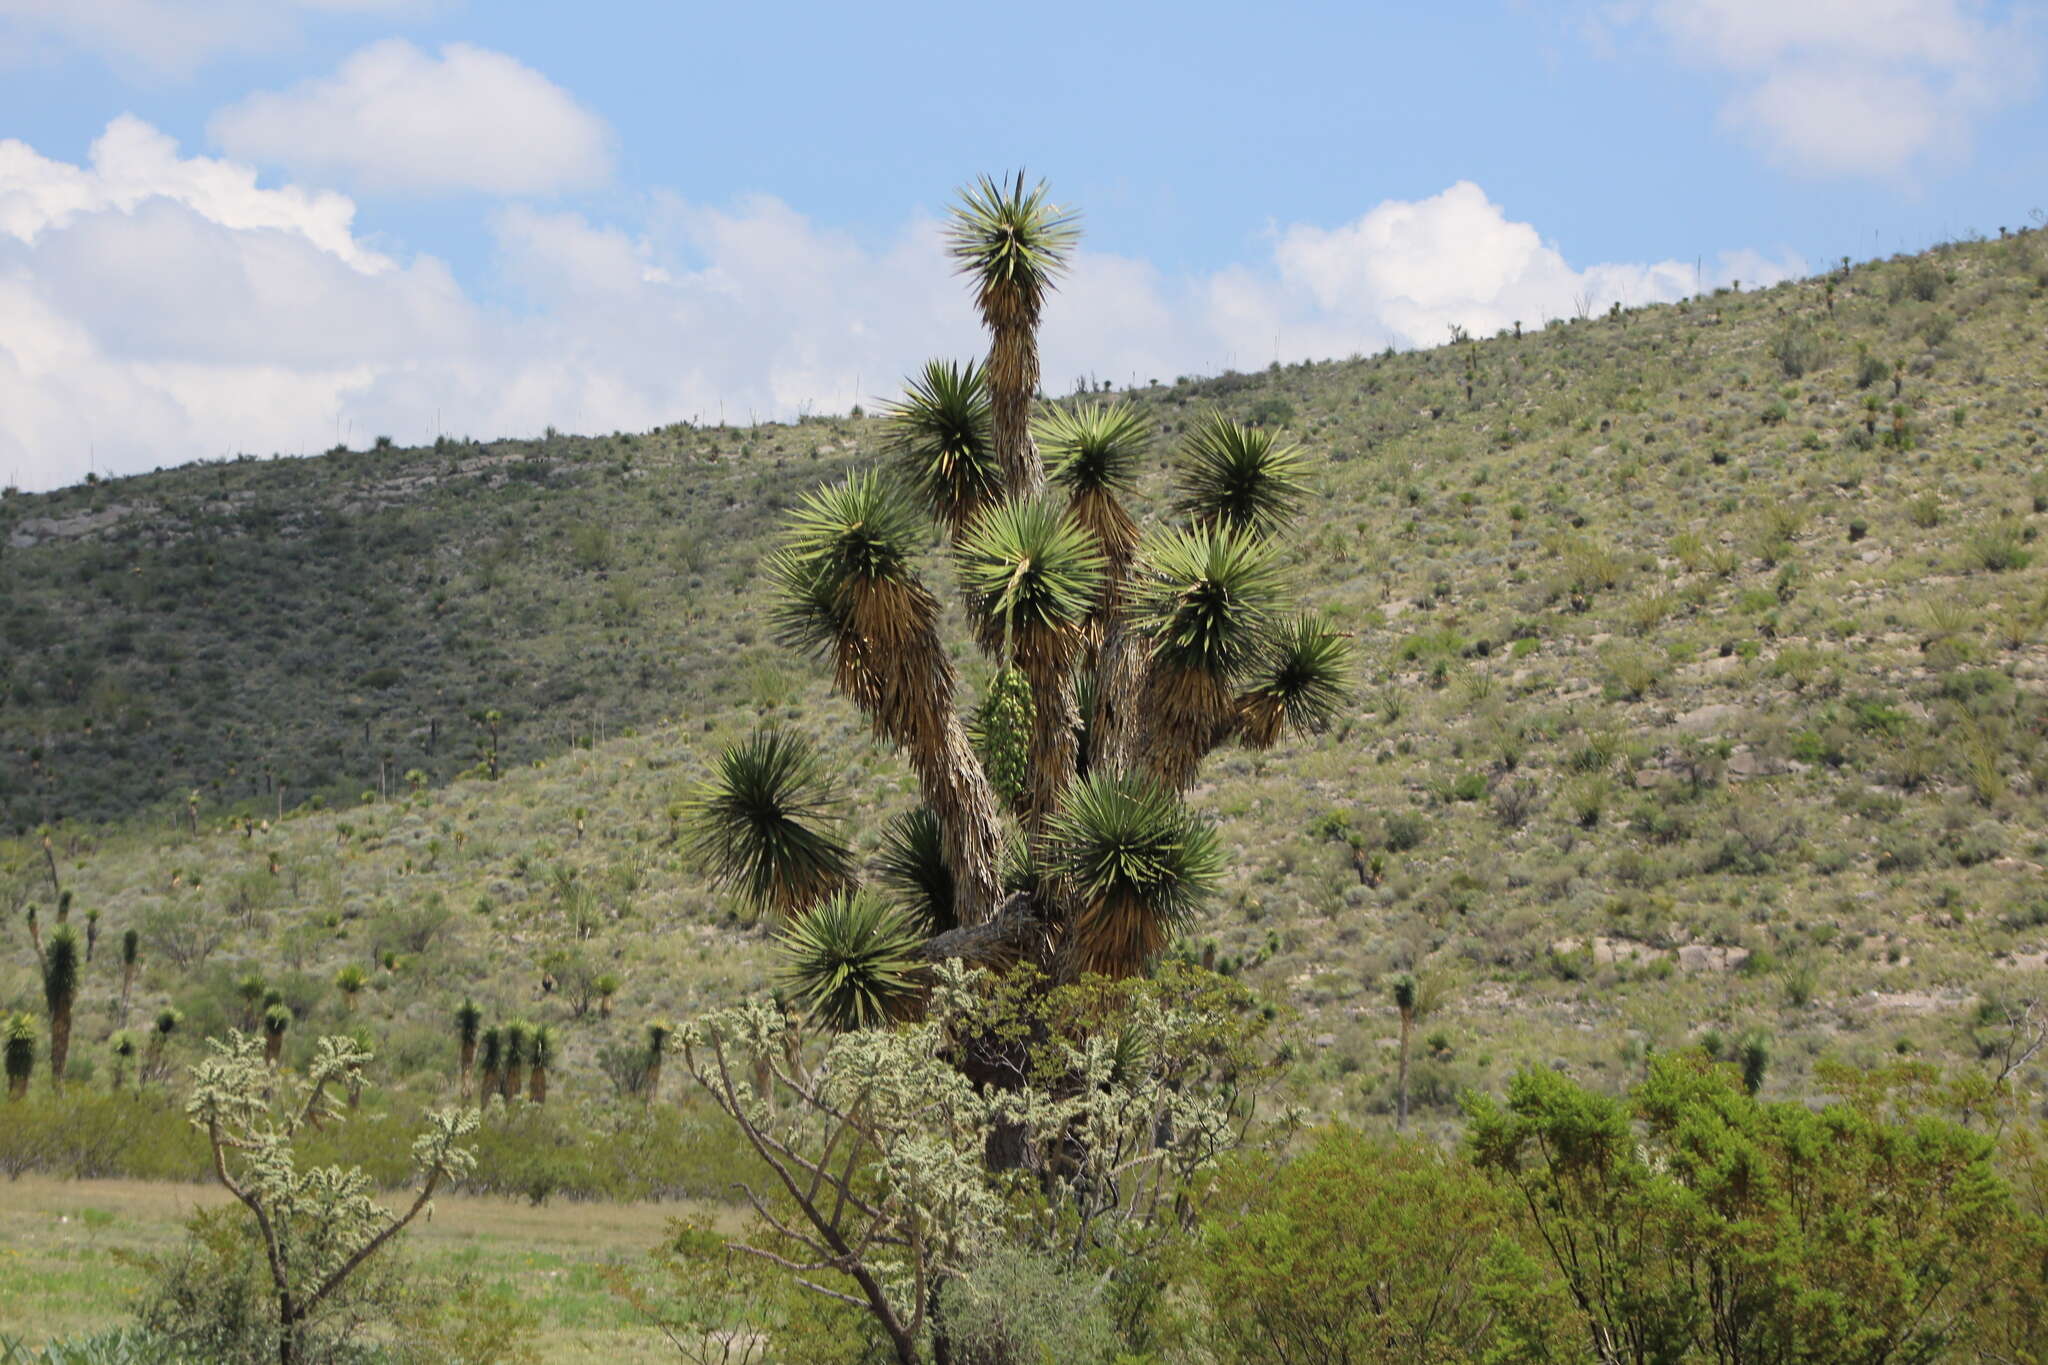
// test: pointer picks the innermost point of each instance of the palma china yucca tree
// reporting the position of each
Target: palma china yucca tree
(490, 1064)
(518, 1034)
(468, 1023)
(1124, 646)
(60, 991)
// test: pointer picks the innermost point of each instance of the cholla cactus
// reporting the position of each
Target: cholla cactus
(882, 1142)
(317, 1226)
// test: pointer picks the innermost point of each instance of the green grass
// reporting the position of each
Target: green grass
(64, 1270)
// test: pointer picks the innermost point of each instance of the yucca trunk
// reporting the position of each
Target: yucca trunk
(1012, 383)
(17, 1085)
(653, 1088)
(951, 782)
(467, 1066)
(1054, 723)
(515, 1075)
(537, 1083)
(60, 1045)
(1113, 937)
(1113, 722)
(1184, 713)
(892, 663)
(1401, 1079)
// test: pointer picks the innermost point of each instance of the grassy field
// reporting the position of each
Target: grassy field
(62, 1273)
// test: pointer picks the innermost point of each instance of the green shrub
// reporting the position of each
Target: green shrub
(1642, 1204)
(1404, 830)
(1998, 549)
(1364, 1251)
(1798, 349)
(1019, 1305)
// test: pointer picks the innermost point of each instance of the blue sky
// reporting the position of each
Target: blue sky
(264, 225)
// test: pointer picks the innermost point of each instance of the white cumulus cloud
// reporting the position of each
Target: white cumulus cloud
(174, 37)
(1873, 88)
(392, 118)
(156, 308)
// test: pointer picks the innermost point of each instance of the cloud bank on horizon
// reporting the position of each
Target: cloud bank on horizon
(159, 305)
(162, 307)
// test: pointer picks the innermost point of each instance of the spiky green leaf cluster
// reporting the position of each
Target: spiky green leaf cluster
(1302, 681)
(1141, 864)
(1125, 836)
(766, 822)
(1093, 447)
(1028, 570)
(1206, 598)
(852, 960)
(1007, 236)
(911, 866)
(942, 436)
(862, 533)
(1235, 476)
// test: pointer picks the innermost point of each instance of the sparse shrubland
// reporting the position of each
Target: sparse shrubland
(1701, 703)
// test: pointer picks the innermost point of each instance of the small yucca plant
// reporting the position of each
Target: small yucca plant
(131, 956)
(659, 1035)
(518, 1035)
(249, 990)
(350, 981)
(277, 1020)
(1404, 992)
(160, 1031)
(18, 1044)
(490, 1058)
(124, 1045)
